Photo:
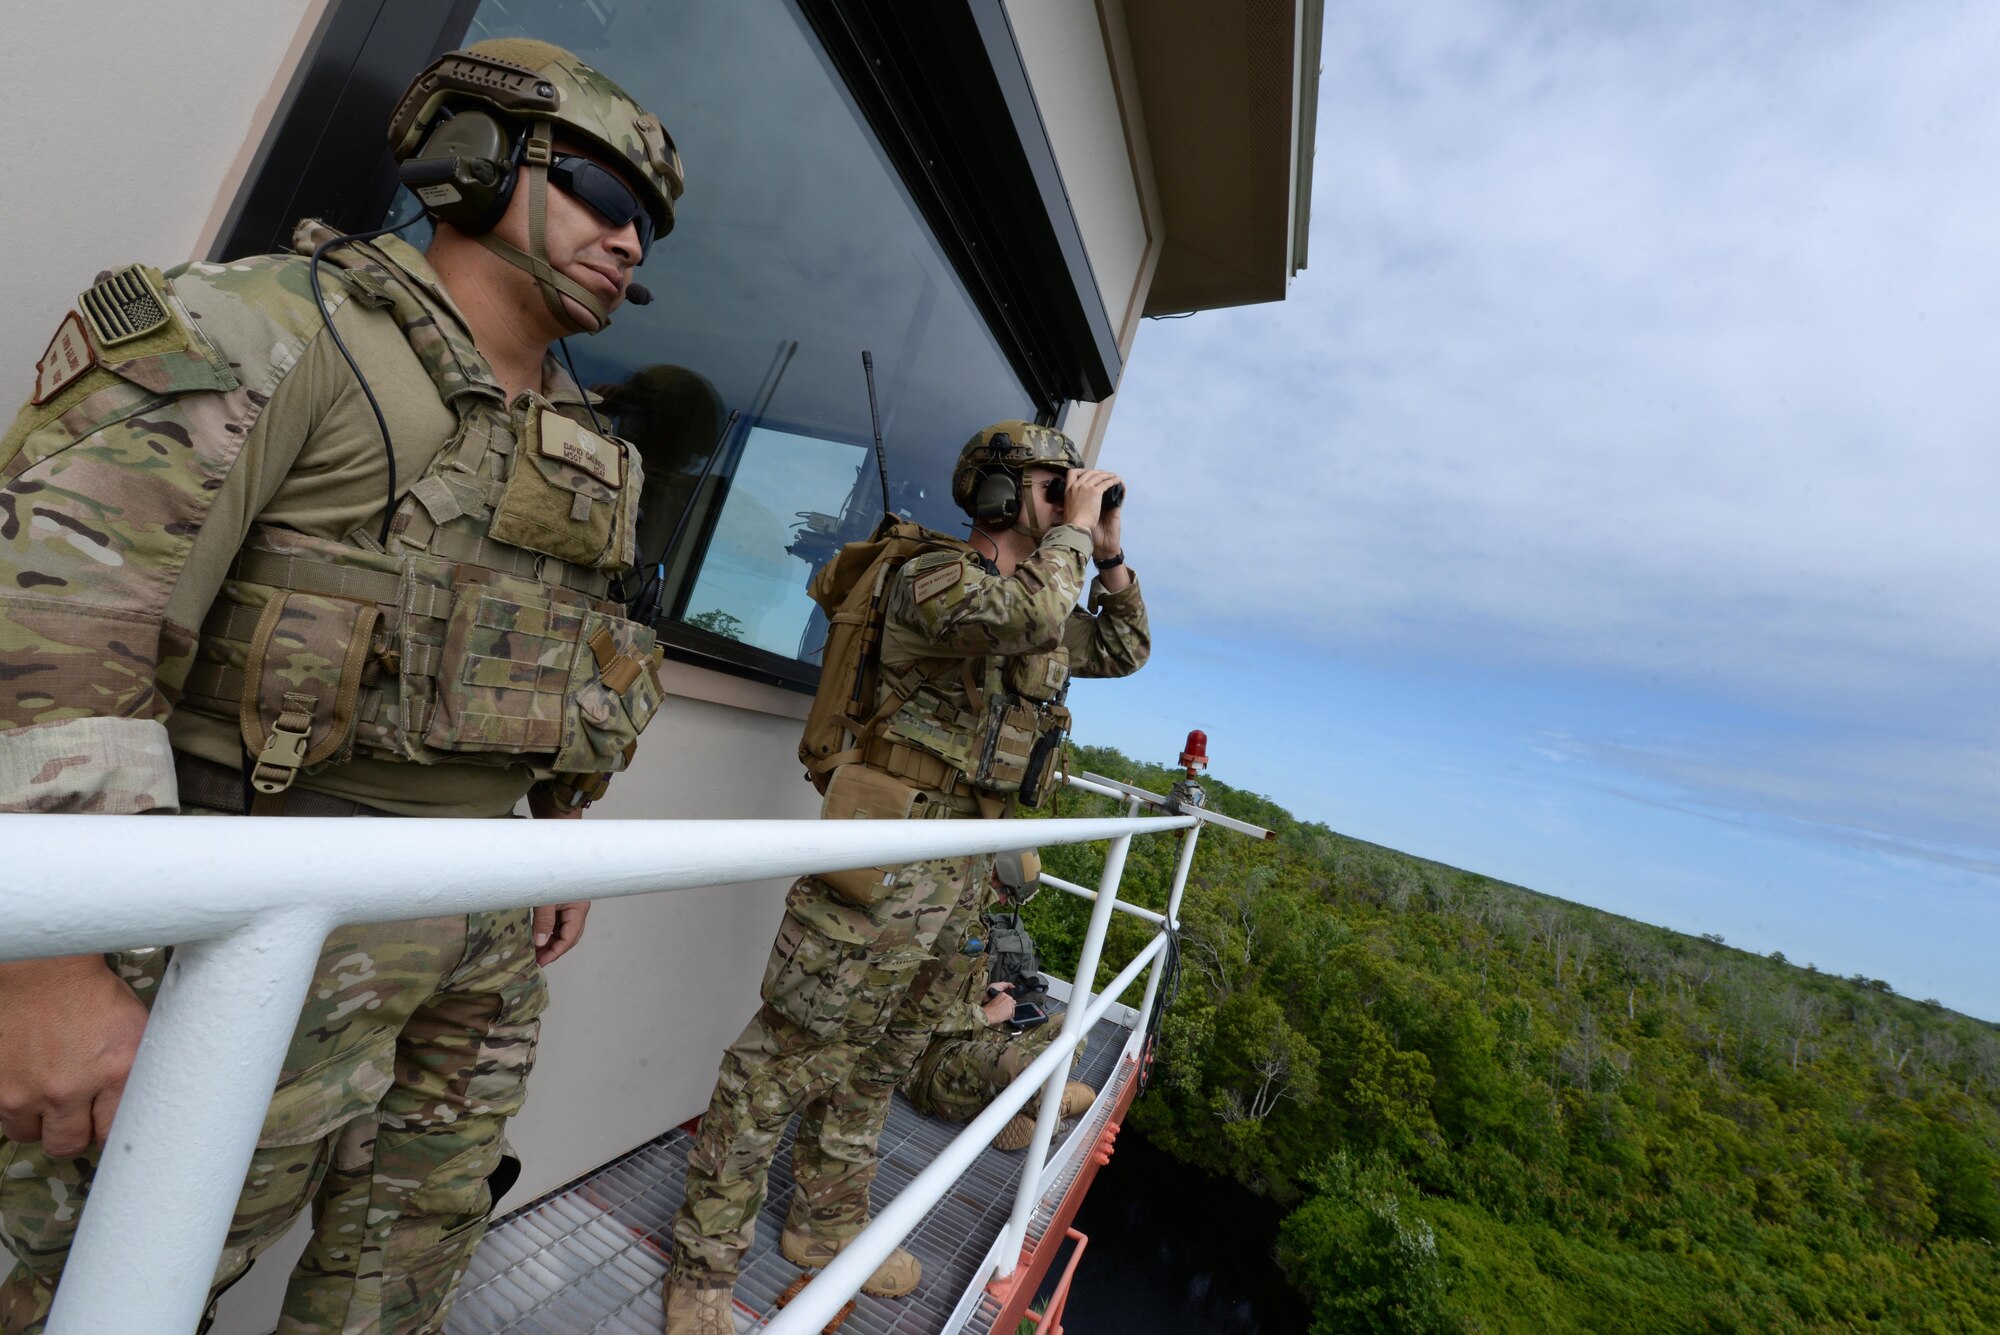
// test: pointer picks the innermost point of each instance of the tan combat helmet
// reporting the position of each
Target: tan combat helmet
(992, 468)
(463, 161)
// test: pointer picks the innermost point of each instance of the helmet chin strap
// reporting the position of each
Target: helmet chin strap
(1029, 529)
(1023, 524)
(535, 160)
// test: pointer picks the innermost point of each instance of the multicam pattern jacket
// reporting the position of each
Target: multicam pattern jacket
(959, 636)
(131, 479)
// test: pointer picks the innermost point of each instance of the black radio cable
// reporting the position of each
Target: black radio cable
(1170, 990)
(319, 300)
(570, 361)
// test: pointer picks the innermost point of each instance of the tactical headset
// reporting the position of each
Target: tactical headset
(997, 486)
(466, 168)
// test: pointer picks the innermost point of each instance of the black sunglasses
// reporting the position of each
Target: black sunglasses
(605, 193)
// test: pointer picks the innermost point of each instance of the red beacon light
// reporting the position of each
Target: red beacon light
(1195, 756)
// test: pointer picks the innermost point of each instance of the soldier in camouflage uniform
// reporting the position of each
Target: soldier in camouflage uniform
(224, 587)
(978, 645)
(973, 1053)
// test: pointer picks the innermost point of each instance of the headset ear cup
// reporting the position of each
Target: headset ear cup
(464, 171)
(996, 497)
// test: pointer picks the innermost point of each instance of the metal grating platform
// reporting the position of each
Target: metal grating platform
(592, 1257)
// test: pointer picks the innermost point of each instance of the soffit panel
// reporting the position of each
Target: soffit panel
(1215, 80)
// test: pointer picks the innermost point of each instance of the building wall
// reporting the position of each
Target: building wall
(640, 1013)
(1079, 63)
(131, 122)
(1062, 46)
(141, 168)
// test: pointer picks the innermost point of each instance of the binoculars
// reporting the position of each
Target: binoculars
(1060, 488)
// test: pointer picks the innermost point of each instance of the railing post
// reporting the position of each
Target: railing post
(1046, 1117)
(186, 1129)
(819, 1301)
(1173, 924)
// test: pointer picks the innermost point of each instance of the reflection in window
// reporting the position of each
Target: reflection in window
(795, 247)
(749, 587)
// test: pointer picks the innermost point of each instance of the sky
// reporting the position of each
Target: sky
(1610, 506)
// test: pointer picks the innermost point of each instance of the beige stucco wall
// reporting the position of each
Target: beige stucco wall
(128, 120)
(1079, 63)
(641, 1011)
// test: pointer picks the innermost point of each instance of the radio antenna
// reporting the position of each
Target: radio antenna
(875, 419)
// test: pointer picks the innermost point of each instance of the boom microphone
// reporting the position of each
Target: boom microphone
(638, 294)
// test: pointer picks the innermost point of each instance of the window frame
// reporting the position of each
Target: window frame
(941, 85)
(313, 161)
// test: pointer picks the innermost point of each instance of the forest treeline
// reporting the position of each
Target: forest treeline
(1487, 1109)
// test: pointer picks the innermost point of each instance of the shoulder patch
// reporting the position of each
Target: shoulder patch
(934, 581)
(123, 306)
(69, 355)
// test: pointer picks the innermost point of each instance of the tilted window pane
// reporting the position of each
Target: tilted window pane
(794, 248)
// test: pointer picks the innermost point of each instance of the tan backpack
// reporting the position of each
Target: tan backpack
(853, 590)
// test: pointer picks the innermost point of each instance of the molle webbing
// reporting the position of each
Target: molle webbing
(922, 770)
(452, 645)
(305, 575)
(448, 510)
(919, 768)
(213, 787)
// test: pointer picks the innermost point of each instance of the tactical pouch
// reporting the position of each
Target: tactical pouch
(861, 886)
(1041, 677)
(833, 989)
(1039, 774)
(1002, 742)
(859, 792)
(503, 679)
(613, 694)
(567, 492)
(1013, 956)
(1017, 745)
(301, 681)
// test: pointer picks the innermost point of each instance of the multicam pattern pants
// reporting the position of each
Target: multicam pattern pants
(837, 992)
(959, 1074)
(411, 1053)
(834, 1157)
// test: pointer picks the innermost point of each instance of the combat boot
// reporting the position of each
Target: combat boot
(1020, 1128)
(699, 1310)
(896, 1276)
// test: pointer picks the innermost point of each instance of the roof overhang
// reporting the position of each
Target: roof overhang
(1230, 92)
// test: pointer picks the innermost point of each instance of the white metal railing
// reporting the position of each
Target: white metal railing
(816, 1304)
(248, 933)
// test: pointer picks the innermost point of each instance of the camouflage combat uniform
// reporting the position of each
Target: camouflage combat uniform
(968, 1061)
(851, 992)
(130, 500)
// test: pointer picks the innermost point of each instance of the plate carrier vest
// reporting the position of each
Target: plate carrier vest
(483, 633)
(998, 744)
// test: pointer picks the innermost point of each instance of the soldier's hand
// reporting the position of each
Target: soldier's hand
(1083, 505)
(542, 805)
(69, 1029)
(999, 1007)
(557, 928)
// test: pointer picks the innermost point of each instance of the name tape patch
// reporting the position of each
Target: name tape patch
(68, 357)
(935, 581)
(581, 448)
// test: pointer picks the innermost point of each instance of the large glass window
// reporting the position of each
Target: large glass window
(795, 248)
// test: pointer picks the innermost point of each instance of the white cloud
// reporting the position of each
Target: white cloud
(1659, 343)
